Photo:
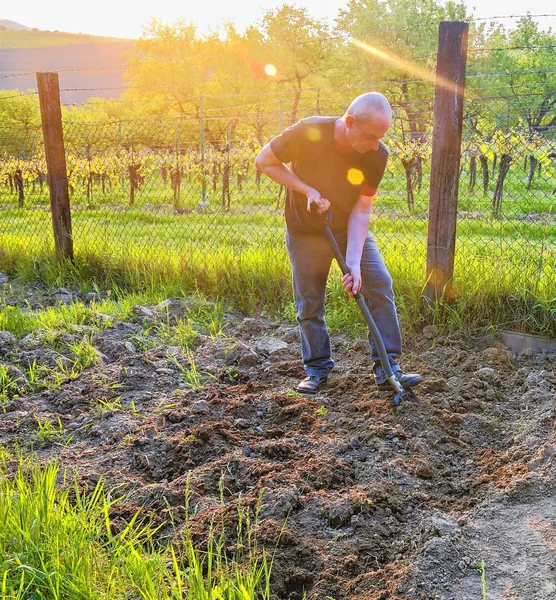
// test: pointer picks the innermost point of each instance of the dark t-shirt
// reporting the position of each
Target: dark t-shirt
(310, 148)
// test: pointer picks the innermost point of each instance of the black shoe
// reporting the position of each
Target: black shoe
(407, 380)
(311, 384)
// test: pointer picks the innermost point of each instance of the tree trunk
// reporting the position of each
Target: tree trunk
(89, 190)
(175, 182)
(259, 132)
(279, 196)
(505, 161)
(215, 174)
(533, 162)
(18, 181)
(134, 179)
(412, 115)
(418, 173)
(296, 99)
(472, 173)
(226, 185)
(484, 166)
(408, 167)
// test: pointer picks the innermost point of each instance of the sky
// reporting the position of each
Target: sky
(122, 18)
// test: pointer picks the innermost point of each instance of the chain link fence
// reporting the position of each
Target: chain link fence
(153, 190)
(24, 193)
(178, 193)
(507, 189)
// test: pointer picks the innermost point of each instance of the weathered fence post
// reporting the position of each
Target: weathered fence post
(446, 155)
(51, 116)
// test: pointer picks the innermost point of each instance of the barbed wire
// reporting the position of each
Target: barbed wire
(18, 95)
(245, 94)
(496, 73)
(187, 59)
(333, 109)
(430, 54)
(75, 70)
(17, 74)
(99, 89)
(319, 101)
(29, 128)
(421, 55)
(272, 112)
(499, 49)
(414, 95)
(496, 18)
(320, 93)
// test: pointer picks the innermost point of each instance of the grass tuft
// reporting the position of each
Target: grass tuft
(58, 542)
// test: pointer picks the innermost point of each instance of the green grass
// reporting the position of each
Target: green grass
(20, 322)
(505, 269)
(481, 568)
(49, 432)
(58, 542)
(9, 384)
(200, 317)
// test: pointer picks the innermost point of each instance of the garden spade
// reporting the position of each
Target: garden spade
(402, 394)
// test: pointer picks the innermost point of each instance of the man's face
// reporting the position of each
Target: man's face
(364, 136)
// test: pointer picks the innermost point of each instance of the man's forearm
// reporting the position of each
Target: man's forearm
(358, 228)
(284, 176)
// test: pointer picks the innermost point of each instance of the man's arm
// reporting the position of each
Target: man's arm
(267, 163)
(358, 228)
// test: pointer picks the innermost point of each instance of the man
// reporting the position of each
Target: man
(337, 164)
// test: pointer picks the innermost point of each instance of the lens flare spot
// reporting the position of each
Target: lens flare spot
(270, 70)
(313, 134)
(435, 276)
(355, 176)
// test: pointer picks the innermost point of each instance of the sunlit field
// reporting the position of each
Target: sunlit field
(241, 257)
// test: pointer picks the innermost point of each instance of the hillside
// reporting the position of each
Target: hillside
(12, 25)
(92, 62)
(10, 40)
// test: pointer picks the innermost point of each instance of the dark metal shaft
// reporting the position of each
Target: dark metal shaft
(375, 333)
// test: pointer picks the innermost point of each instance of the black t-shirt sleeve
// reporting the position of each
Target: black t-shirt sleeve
(287, 145)
(374, 172)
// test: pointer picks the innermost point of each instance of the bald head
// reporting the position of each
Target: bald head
(369, 105)
(364, 124)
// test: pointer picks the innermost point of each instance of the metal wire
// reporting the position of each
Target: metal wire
(156, 189)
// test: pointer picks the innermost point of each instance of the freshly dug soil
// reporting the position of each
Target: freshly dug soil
(361, 500)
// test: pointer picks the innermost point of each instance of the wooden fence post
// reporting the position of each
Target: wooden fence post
(51, 116)
(446, 155)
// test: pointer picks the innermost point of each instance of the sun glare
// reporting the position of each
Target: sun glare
(401, 63)
(270, 70)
